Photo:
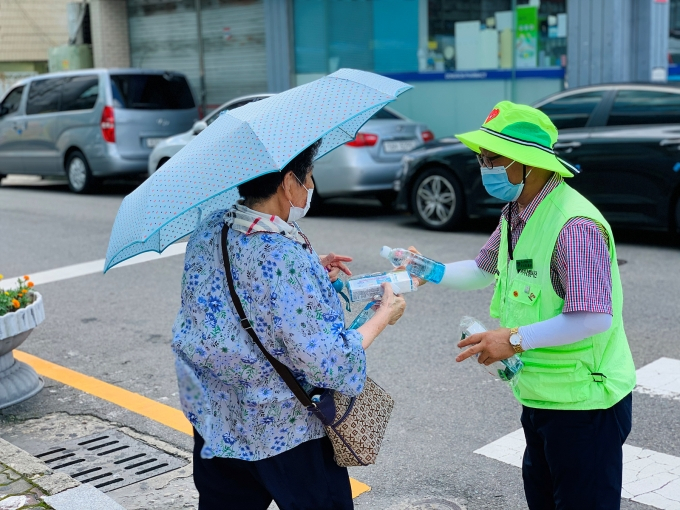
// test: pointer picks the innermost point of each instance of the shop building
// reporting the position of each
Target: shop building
(462, 56)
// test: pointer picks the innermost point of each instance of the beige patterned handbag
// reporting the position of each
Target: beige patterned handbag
(355, 425)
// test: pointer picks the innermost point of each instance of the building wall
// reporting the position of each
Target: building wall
(29, 27)
(110, 35)
(450, 108)
(612, 41)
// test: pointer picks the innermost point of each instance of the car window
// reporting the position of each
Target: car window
(384, 114)
(634, 107)
(151, 92)
(213, 116)
(44, 96)
(12, 101)
(571, 112)
(79, 93)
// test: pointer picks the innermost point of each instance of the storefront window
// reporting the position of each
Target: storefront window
(426, 36)
(471, 35)
(674, 41)
(372, 35)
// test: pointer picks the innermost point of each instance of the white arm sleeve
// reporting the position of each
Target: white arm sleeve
(466, 275)
(564, 329)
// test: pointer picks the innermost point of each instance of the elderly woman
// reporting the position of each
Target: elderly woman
(254, 442)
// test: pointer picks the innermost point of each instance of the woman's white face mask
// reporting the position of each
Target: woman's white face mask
(297, 213)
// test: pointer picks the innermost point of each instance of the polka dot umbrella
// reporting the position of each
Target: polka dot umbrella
(242, 144)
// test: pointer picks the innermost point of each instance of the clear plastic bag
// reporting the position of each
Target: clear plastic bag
(508, 370)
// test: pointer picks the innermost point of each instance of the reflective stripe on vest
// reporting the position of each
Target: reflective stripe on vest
(594, 373)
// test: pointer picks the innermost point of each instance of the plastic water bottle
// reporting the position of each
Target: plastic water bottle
(415, 264)
(507, 369)
(363, 316)
(368, 287)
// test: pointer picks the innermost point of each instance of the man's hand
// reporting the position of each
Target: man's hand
(334, 264)
(492, 346)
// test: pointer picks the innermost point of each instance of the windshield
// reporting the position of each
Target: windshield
(151, 92)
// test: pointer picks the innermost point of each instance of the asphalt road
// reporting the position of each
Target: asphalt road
(116, 327)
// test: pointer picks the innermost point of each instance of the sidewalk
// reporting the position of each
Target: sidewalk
(27, 482)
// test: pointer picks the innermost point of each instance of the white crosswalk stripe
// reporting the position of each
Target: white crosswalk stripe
(649, 477)
(94, 267)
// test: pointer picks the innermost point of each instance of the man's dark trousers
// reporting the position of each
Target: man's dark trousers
(574, 459)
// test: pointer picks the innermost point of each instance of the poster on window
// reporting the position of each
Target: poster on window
(526, 41)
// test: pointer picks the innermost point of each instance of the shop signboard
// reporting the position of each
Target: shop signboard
(526, 40)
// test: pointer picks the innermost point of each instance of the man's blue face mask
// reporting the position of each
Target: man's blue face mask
(498, 185)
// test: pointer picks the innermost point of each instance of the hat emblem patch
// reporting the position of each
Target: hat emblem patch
(494, 113)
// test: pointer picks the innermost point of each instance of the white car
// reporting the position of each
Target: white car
(367, 165)
(170, 146)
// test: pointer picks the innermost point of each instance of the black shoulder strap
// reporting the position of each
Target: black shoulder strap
(282, 369)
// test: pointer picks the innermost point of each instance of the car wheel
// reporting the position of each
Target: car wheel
(676, 233)
(161, 163)
(317, 203)
(80, 178)
(387, 199)
(437, 200)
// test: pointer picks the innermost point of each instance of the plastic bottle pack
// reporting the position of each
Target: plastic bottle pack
(507, 370)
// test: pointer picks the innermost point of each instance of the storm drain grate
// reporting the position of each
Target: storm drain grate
(109, 460)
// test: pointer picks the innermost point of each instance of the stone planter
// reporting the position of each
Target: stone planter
(18, 381)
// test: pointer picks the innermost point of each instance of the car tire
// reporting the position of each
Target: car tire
(78, 173)
(316, 206)
(387, 199)
(162, 162)
(437, 200)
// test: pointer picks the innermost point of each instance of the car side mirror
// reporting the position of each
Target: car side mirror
(3, 111)
(199, 126)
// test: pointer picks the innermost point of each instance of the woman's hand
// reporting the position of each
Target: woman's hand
(392, 304)
(334, 264)
(419, 281)
(389, 310)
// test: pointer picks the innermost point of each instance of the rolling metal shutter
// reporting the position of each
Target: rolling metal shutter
(163, 35)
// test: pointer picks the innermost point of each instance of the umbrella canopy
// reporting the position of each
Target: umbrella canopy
(242, 144)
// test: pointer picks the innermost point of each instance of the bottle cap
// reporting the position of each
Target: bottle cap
(385, 251)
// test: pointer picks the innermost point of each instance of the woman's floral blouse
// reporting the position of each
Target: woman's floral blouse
(229, 391)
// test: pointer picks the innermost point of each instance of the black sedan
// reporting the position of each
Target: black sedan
(625, 138)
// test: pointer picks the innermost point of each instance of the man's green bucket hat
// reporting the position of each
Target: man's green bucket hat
(521, 133)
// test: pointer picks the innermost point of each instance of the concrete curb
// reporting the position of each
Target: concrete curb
(51, 483)
(35, 470)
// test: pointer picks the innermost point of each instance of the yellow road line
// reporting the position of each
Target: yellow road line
(149, 408)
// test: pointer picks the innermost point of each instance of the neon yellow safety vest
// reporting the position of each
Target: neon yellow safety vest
(594, 373)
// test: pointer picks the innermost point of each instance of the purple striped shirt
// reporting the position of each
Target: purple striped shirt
(580, 269)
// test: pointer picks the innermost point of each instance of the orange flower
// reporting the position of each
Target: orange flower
(30, 284)
(16, 303)
(26, 277)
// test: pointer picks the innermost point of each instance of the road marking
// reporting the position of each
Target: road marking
(661, 377)
(649, 477)
(144, 406)
(93, 267)
(149, 408)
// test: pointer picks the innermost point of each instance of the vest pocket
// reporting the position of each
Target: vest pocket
(548, 380)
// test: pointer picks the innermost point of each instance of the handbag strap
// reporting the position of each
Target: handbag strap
(282, 369)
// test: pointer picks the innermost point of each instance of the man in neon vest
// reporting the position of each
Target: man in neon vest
(559, 300)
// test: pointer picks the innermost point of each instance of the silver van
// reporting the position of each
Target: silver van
(91, 123)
